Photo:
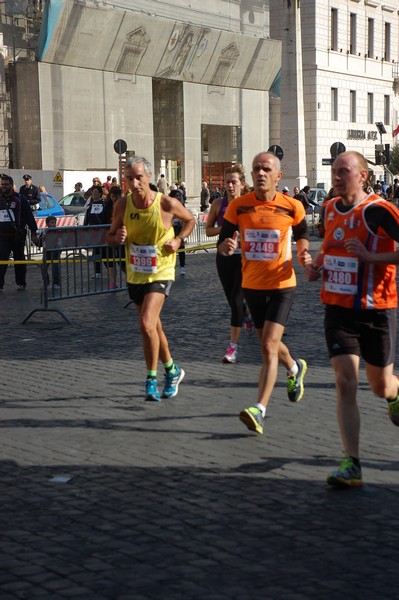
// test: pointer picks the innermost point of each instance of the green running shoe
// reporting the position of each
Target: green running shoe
(172, 383)
(151, 390)
(348, 474)
(295, 387)
(393, 411)
(252, 417)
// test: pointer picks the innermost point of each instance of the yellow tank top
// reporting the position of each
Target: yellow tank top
(146, 259)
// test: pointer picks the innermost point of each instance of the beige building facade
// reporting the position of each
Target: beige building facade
(349, 63)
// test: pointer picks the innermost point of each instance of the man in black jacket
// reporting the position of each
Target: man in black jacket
(30, 192)
(302, 196)
(15, 215)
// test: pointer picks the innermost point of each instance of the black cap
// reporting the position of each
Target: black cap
(26, 177)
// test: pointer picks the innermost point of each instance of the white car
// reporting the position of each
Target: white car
(316, 196)
(73, 204)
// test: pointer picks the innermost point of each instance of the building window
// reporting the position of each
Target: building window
(334, 104)
(370, 39)
(334, 29)
(370, 108)
(352, 106)
(352, 34)
(387, 45)
(387, 110)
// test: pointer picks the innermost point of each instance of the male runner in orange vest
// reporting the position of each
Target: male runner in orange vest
(358, 258)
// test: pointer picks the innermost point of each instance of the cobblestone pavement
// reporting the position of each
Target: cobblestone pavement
(107, 497)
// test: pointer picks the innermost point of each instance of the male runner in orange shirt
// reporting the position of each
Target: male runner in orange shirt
(266, 220)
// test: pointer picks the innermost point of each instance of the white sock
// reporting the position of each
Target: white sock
(294, 370)
(261, 408)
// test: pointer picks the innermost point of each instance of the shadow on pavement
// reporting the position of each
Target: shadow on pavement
(116, 533)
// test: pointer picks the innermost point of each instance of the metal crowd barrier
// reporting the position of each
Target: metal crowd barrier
(78, 262)
(70, 256)
(198, 240)
(63, 221)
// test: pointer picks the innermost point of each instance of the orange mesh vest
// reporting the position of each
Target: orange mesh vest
(347, 280)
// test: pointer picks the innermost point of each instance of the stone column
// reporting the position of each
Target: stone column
(286, 26)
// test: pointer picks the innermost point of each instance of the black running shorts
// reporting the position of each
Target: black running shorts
(269, 305)
(370, 334)
(137, 291)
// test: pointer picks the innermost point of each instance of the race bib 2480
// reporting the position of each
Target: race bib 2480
(340, 274)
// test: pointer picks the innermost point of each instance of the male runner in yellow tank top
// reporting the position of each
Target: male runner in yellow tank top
(143, 221)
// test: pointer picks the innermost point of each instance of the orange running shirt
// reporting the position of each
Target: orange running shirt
(347, 281)
(265, 233)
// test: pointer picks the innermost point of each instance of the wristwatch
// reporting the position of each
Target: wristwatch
(182, 238)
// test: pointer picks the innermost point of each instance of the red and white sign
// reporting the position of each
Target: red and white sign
(67, 221)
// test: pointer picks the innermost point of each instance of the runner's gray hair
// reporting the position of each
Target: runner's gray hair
(134, 160)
